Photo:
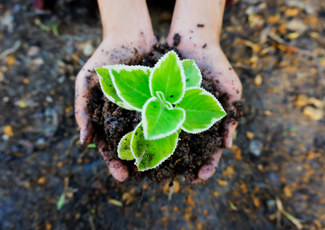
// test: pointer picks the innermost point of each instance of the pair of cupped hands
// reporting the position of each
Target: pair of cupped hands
(130, 35)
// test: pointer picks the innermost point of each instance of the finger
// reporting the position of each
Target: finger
(118, 170)
(207, 171)
(231, 98)
(82, 112)
(228, 138)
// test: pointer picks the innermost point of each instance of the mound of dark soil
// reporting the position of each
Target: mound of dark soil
(192, 151)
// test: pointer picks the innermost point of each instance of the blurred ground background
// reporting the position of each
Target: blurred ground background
(272, 178)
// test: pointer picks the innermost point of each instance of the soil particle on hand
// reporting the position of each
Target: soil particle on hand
(177, 39)
(205, 45)
(192, 151)
(200, 25)
(239, 111)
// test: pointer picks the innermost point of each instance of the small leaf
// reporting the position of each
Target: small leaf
(60, 202)
(107, 86)
(91, 146)
(202, 110)
(192, 73)
(160, 120)
(132, 84)
(161, 97)
(150, 154)
(124, 149)
(168, 77)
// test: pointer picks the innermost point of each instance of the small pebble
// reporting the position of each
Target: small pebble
(37, 62)
(40, 142)
(49, 99)
(61, 79)
(255, 147)
(5, 99)
(5, 137)
(33, 51)
(88, 49)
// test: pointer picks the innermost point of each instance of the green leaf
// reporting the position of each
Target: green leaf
(168, 77)
(124, 149)
(132, 84)
(192, 73)
(107, 86)
(91, 146)
(202, 110)
(150, 154)
(160, 120)
(60, 202)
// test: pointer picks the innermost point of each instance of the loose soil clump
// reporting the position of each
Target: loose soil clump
(192, 152)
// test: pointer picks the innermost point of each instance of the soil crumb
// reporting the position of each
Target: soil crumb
(192, 152)
(177, 39)
(200, 25)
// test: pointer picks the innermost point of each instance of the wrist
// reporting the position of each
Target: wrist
(198, 20)
(125, 19)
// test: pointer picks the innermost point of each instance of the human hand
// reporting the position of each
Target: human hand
(201, 43)
(125, 37)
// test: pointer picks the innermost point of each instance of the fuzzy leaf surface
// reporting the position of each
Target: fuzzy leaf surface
(132, 84)
(202, 110)
(168, 77)
(108, 88)
(192, 73)
(124, 148)
(106, 84)
(151, 153)
(159, 120)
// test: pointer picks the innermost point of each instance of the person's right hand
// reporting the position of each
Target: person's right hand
(124, 37)
(199, 23)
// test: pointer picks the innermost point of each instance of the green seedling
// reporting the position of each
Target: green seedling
(169, 98)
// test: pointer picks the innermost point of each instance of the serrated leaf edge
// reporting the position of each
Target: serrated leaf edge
(214, 120)
(162, 160)
(119, 146)
(120, 67)
(158, 64)
(198, 69)
(145, 122)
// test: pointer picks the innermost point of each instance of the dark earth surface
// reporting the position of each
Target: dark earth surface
(272, 178)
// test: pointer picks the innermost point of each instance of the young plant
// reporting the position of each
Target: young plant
(169, 98)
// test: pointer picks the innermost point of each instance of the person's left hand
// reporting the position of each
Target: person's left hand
(211, 59)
